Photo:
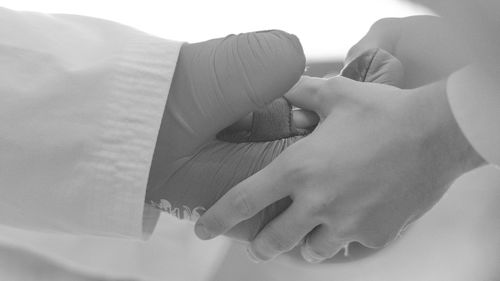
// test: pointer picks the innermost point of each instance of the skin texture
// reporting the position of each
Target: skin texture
(350, 187)
(398, 152)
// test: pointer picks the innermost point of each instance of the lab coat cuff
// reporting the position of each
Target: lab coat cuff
(141, 83)
(475, 103)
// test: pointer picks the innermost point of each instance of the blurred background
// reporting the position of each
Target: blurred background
(326, 28)
(458, 240)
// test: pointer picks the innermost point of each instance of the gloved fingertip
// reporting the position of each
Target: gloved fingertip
(283, 35)
(279, 62)
(357, 69)
(385, 69)
(377, 66)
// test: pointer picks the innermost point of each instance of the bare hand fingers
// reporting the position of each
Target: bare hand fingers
(305, 94)
(244, 201)
(322, 243)
(281, 234)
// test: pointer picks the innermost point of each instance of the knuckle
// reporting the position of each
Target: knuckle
(241, 205)
(338, 233)
(318, 204)
(275, 241)
(319, 94)
(347, 228)
(342, 233)
(335, 93)
(316, 209)
(298, 170)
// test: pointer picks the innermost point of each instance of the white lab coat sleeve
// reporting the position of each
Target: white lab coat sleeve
(81, 102)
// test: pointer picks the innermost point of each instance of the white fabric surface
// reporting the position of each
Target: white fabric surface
(172, 253)
(80, 108)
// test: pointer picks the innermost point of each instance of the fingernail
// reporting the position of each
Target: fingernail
(309, 255)
(252, 256)
(202, 232)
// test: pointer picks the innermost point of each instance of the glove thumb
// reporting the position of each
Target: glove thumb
(222, 80)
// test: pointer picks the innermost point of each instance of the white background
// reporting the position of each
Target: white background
(326, 28)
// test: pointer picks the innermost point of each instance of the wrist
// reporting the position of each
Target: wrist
(440, 132)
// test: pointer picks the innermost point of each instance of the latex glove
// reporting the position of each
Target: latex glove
(426, 46)
(216, 83)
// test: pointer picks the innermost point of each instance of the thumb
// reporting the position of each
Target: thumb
(270, 63)
(373, 65)
(238, 74)
(219, 81)
(307, 93)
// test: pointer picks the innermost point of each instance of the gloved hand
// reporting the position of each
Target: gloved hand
(215, 83)
(425, 45)
(200, 179)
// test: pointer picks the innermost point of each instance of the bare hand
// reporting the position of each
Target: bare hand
(379, 159)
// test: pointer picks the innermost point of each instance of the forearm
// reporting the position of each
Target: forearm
(440, 133)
